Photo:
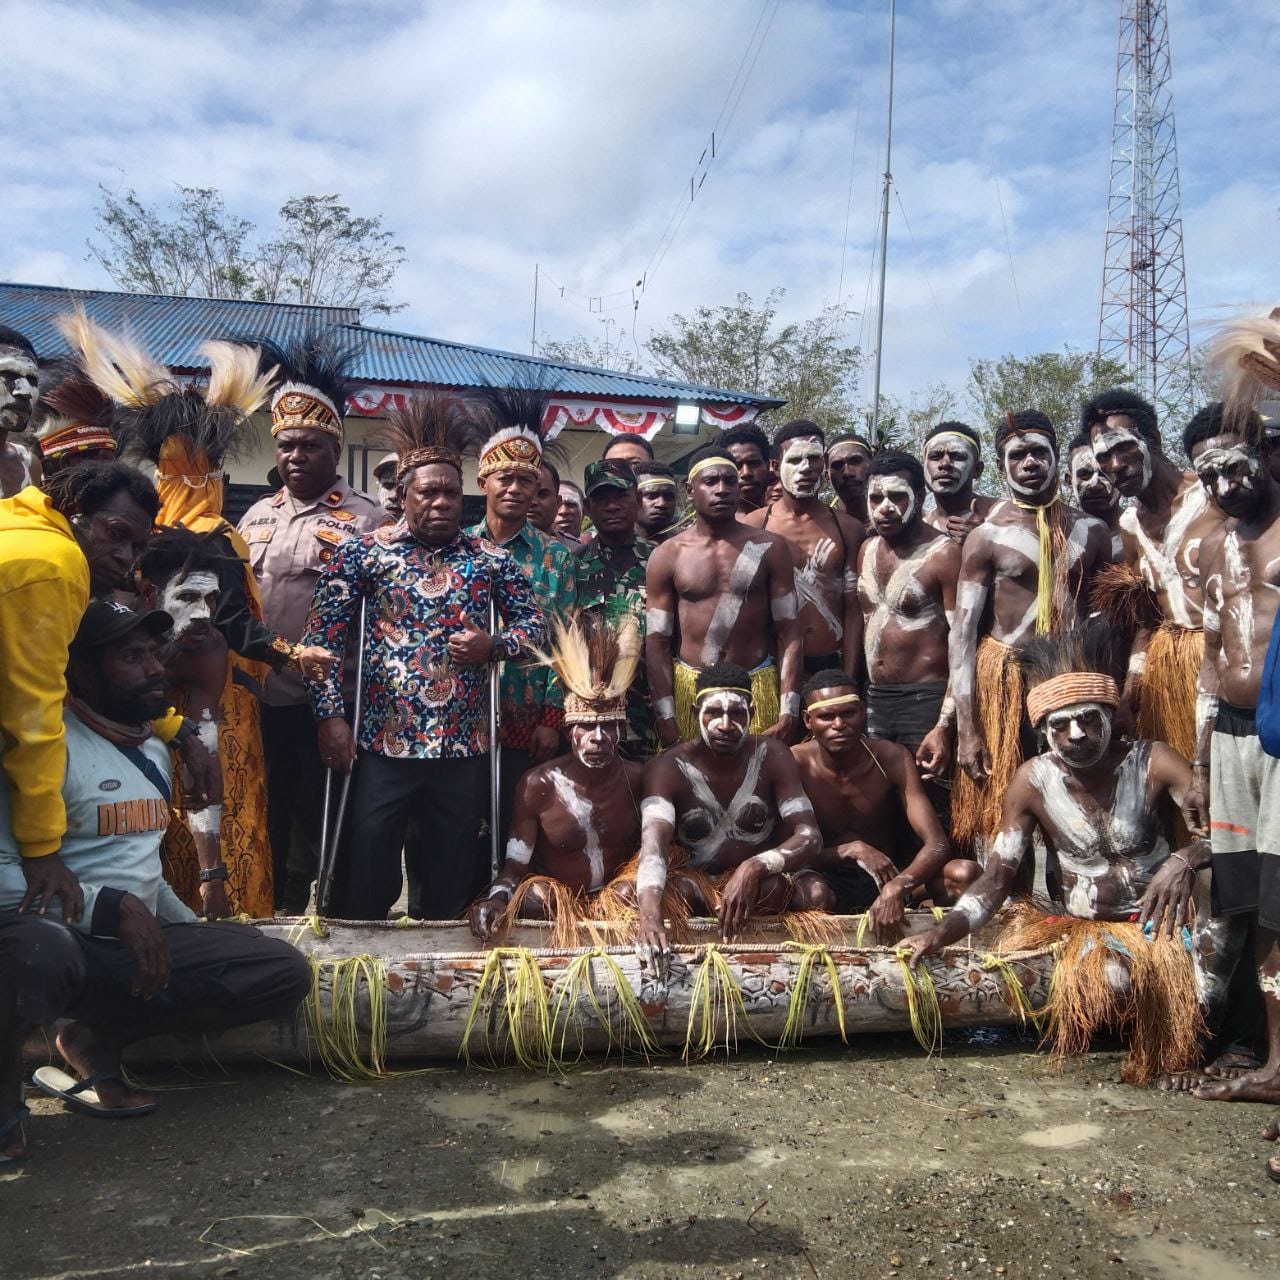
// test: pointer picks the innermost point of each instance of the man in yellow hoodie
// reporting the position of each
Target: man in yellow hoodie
(55, 547)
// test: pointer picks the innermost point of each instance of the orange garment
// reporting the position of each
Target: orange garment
(191, 495)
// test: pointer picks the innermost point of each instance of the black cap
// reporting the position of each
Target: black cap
(106, 621)
(609, 473)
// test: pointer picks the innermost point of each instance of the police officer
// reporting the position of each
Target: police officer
(291, 535)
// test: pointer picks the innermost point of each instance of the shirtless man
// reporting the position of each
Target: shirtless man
(1014, 584)
(19, 390)
(1161, 534)
(824, 550)
(1233, 773)
(659, 500)
(748, 446)
(730, 591)
(734, 801)
(952, 465)
(1102, 806)
(848, 458)
(1092, 491)
(907, 576)
(576, 820)
(862, 789)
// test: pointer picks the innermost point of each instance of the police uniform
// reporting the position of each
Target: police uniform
(289, 543)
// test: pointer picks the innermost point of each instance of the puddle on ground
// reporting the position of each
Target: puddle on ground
(518, 1173)
(1164, 1260)
(521, 1112)
(1062, 1135)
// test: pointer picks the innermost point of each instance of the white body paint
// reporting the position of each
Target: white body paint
(903, 588)
(1163, 567)
(658, 622)
(519, 852)
(206, 821)
(584, 815)
(741, 578)
(1241, 607)
(725, 821)
(772, 861)
(809, 582)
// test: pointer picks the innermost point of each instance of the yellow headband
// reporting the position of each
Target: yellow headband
(703, 463)
(655, 482)
(843, 700)
(957, 436)
(722, 688)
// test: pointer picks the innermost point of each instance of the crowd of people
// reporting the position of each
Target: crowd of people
(722, 693)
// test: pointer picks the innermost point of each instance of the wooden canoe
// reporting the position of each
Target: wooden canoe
(391, 992)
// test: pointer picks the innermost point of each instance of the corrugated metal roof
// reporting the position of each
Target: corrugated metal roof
(171, 329)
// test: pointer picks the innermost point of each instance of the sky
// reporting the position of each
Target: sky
(500, 134)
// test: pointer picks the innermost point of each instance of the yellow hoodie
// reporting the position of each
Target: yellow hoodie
(44, 588)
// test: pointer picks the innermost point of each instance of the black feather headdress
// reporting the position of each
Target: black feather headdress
(512, 420)
(428, 427)
(315, 378)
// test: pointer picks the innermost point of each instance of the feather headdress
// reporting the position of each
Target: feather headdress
(512, 418)
(1246, 355)
(596, 661)
(75, 417)
(315, 379)
(427, 428)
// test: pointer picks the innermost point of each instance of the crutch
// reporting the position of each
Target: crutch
(329, 838)
(495, 749)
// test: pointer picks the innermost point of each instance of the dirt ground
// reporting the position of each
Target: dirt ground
(866, 1161)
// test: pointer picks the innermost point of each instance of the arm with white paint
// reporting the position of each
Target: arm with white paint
(851, 640)
(660, 622)
(1195, 809)
(977, 573)
(784, 609)
(1166, 903)
(934, 754)
(657, 830)
(532, 797)
(799, 848)
(991, 889)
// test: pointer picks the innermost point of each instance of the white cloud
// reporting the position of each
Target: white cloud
(563, 132)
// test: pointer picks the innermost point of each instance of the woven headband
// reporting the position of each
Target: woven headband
(299, 407)
(703, 463)
(77, 438)
(578, 710)
(722, 688)
(1069, 689)
(843, 700)
(428, 454)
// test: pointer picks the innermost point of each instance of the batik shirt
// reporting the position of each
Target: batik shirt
(531, 694)
(417, 703)
(611, 581)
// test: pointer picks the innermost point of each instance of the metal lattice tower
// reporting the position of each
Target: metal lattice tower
(1143, 320)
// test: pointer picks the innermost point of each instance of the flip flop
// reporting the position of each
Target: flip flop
(82, 1095)
(12, 1123)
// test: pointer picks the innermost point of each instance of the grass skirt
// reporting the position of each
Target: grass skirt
(765, 706)
(1167, 700)
(1156, 1011)
(998, 694)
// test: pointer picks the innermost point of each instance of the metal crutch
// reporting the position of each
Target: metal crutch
(329, 839)
(495, 748)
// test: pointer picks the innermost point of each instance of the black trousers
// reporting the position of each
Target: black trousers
(449, 799)
(295, 802)
(221, 975)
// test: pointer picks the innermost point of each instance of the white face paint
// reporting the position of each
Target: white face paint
(724, 719)
(570, 497)
(891, 504)
(1134, 471)
(190, 600)
(596, 745)
(19, 388)
(950, 462)
(1093, 492)
(1230, 473)
(802, 466)
(1029, 463)
(1080, 734)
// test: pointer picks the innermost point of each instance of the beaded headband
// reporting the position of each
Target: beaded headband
(77, 438)
(304, 408)
(511, 449)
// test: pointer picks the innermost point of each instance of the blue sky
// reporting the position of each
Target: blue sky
(499, 134)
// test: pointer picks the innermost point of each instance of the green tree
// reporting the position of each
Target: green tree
(741, 347)
(1056, 383)
(319, 253)
(619, 355)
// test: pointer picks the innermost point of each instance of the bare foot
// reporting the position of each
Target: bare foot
(1271, 1132)
(1256, 1086)
(87, 1057)
(1180, 1081)
(15, 1141)
(1232, 1064)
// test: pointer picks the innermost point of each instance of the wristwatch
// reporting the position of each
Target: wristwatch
(208, 874)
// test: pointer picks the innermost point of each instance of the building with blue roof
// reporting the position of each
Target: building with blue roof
(589, 405)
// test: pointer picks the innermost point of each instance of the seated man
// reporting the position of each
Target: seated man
(733, 800)
(1096, 801)
(576, 819)
(861, 790)
(135, 963)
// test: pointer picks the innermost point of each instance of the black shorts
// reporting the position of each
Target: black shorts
(1245, 882)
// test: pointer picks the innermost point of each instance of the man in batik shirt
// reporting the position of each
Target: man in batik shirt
(424, 730)
(610, 573)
